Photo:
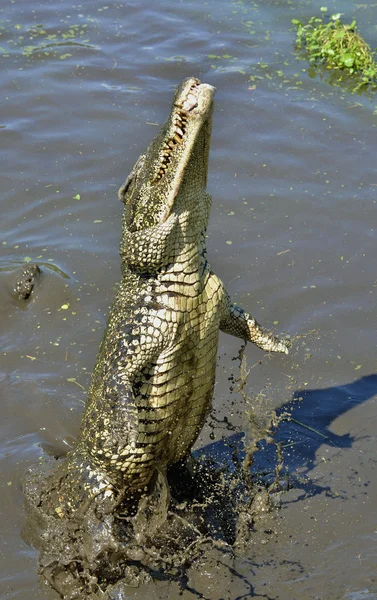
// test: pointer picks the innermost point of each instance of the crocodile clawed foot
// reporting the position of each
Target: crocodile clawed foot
(283, 344)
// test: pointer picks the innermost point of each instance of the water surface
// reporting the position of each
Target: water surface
(292, 234)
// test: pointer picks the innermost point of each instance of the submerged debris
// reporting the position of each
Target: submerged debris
(336, 45)
(26, 278)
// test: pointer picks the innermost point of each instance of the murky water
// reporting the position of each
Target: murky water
(292, 234)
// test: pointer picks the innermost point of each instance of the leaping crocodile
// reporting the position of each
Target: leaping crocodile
(153, 381)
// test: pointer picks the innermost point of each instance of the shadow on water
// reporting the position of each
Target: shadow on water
(304, 426)
(312, 414)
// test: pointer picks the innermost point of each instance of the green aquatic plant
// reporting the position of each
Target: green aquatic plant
(40, 41)
(335, 45)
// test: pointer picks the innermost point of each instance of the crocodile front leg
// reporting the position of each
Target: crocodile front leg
(240, 324)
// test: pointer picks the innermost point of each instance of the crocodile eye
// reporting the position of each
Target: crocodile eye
(131, 180)
(125, 187)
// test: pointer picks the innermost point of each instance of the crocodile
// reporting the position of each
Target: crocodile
(153, 382)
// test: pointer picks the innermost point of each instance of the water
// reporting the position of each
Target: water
(292, 234)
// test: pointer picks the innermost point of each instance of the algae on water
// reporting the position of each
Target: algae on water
(336, 45)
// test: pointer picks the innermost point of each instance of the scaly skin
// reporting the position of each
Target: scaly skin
(153, 382)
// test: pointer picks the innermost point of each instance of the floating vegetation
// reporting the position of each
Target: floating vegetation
(44, 41)
(335, 45)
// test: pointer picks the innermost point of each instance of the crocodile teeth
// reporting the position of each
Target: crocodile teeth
(179, 131)
(178, 138)
(190, 102)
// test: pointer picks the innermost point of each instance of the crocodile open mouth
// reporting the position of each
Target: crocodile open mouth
(177, 131)
(182, 146)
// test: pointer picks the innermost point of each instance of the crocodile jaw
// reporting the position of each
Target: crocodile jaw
(159, 175)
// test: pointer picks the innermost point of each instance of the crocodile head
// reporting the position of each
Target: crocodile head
(169, 179)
